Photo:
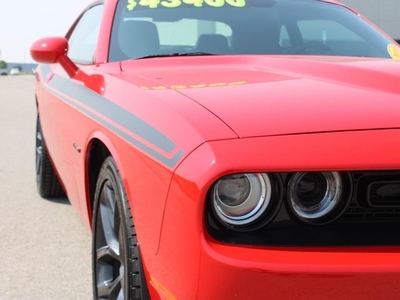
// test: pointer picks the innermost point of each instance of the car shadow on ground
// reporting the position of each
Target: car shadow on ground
(59, 200)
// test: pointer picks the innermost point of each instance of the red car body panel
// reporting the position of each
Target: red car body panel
(193, 137)
(279, 89)
(273, 272)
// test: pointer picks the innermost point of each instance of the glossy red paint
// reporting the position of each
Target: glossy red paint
(276, 272)
(105, 29)
(284, 89)
(54, 50)
(49, 50)
(218, 115)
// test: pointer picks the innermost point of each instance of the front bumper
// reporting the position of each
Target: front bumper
(214, 271)
(233, 272)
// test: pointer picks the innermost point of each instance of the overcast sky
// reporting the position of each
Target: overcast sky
(24, 21)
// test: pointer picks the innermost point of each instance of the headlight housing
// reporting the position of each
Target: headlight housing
(316, 198)
(245, 201)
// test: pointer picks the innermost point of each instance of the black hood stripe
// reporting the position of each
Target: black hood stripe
(64, 88)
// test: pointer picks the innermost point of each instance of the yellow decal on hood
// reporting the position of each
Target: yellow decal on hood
(394, 51)
(193, 86)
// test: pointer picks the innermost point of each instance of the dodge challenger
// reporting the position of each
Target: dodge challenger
(226, 149)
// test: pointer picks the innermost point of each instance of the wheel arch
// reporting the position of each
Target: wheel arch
(98, 149)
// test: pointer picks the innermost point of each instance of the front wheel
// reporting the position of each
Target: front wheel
(117, 269)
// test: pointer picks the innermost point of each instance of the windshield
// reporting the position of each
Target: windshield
(152, 28)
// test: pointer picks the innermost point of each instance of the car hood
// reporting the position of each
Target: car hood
(280, 95)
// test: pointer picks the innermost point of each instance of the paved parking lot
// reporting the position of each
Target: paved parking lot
(44, 247)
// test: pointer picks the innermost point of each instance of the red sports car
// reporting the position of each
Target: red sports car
(226, 149)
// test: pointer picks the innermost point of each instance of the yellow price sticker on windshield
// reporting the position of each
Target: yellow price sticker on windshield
(394, 51)
(132, 4)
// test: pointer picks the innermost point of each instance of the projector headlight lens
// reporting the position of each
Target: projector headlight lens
(314, 195)
(241, 199)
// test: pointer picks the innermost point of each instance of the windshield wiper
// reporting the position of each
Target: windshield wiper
(176, 54)
(195, 54)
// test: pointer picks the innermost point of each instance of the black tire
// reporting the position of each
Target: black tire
(117, 269)
(47, 182)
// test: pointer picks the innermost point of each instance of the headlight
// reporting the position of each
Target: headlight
(316, 197)
(240, 200)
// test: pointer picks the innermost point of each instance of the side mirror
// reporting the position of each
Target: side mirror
(53, 50)
(49, 50)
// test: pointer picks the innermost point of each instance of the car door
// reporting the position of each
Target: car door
(61, 118)
(82, 49)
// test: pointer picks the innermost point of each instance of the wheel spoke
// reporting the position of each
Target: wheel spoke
(109, 264)
(39, 135)
(108, 217)
(121, 293)
(106, 254)
(39, 150)
(108, 274)
(110, 289)
(38, 164)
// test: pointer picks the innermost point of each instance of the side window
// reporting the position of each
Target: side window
(83, 41)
